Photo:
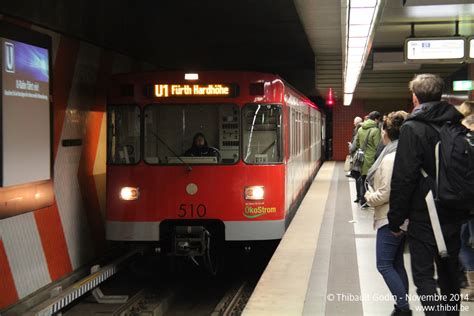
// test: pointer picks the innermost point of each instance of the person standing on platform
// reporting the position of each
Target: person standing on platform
(416, 151)
(352, 148)
(368, 138)
(466, 254)
(389, 248)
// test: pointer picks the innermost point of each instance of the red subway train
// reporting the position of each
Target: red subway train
(194, 160)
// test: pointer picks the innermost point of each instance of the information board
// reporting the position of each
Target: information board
(435, 50)
(26, 126)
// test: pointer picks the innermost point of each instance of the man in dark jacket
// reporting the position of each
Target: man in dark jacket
(416, 149)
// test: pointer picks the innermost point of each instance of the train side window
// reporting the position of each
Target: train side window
(123, 134)
(262, 134)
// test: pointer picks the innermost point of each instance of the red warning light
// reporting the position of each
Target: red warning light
(330, 98)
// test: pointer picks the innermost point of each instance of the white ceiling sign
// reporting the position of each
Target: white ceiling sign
(443, 50)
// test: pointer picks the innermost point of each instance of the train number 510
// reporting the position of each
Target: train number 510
(191, 210)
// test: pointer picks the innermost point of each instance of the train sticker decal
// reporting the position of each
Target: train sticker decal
(254, 212)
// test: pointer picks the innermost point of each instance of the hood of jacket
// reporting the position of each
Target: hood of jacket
(436, 112)
(369, 124)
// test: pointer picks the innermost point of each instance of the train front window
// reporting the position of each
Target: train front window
(262, 134)
(192, 134)
(123, 134)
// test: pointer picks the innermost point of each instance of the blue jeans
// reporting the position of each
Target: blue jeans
(466, 255)
(389, 252)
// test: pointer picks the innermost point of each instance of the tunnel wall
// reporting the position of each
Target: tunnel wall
(44, 245)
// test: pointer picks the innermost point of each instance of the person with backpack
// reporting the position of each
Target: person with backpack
(389, 248)
(433, 167)
(368, 138)
(466, 254)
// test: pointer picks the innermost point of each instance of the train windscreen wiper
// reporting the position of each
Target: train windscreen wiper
(188, 167)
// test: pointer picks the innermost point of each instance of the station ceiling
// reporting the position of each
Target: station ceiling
(298, 39)
(431, 18)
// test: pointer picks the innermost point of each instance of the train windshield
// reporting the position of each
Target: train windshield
(262, 134)
(123, 134)
(191, 134)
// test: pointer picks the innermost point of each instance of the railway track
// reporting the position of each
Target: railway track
(234, 301)
(151, 288)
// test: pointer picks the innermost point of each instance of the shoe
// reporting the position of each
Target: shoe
(400, 312)
(356, 200)
(364, 206)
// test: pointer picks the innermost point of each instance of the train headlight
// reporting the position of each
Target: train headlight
(255, 193)
(129, 193)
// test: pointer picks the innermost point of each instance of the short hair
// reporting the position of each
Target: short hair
(427, 87)
(393, 122)
(374, 115)
(357, 120)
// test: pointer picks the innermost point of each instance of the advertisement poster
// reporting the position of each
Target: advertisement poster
(26, 129)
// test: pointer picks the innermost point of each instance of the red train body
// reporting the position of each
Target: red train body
(266, 143)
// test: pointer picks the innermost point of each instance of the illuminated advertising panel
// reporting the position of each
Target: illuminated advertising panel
(194, 90)
(435, 50)
(26, 126)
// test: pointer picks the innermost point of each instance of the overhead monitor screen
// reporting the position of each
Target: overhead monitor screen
(435, 49)
(26, 126)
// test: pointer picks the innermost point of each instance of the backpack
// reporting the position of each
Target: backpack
(454, 155)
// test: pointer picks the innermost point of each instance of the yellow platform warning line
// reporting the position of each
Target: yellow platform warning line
(284, 283)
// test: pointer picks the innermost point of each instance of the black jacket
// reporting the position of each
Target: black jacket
(203, 151)
(416, 151)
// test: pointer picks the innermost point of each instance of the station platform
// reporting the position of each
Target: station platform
(325, 264)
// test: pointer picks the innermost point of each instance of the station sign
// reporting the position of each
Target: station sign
(463, 85)
(166, 90)
(435, 50)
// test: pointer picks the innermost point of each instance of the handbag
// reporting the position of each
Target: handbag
(348, 163)
(359, 155)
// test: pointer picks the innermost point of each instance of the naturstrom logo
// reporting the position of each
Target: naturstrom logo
(9, 57)
(254, 212)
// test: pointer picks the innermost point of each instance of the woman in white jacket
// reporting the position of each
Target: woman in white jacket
(389, 249)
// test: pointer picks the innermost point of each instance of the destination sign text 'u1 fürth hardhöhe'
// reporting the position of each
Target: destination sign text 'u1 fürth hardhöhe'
(188, 90)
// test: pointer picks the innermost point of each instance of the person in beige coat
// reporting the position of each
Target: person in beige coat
(389, 248)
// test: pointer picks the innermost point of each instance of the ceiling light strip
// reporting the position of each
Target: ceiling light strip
(360, 23)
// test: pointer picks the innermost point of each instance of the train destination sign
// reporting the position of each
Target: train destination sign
(194, 90)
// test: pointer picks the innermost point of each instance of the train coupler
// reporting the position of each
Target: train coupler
(191, 241)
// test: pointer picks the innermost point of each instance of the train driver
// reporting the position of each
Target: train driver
(200, 148)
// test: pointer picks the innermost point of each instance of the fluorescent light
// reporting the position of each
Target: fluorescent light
(350, 85)
(363, 3)
(355, 66)
(191, 76)
(354, 58)
(361, 16)
(359, 30)
(360, 20)
(357, 42)
(356, 51)
(348, 99)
